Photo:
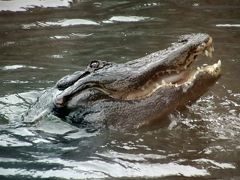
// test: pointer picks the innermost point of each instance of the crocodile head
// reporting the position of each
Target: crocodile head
(139, 92)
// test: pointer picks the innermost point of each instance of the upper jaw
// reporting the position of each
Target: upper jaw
(177, 57)
(178, 73)
(188, 54)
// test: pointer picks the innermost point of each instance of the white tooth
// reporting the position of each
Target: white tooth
(198, 68)
(199, 48)
(203, 44)
(210, 54)
(204, 65)
(219, 62)
(210, 41)
(211, 48)
(163, 82)
(169, 71)
(206, 53)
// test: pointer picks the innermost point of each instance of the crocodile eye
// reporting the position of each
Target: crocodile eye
(94, 64)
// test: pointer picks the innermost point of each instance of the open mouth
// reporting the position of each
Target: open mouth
(184, 73)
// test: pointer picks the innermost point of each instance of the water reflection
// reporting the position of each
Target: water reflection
(15, 5)
(62, 23)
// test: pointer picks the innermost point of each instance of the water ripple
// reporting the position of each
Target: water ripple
(6, 140)
(99, 169)
(16, 5)
(14, 67)
(61, 23)
(215, 164)
(128, 18)
(227, 25)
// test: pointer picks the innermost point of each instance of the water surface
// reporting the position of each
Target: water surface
(41, 41)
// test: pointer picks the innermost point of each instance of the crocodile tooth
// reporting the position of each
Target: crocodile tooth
(209, 51)
(163, 82)
(198, 68)
(211, 48)
(206, 53)
(209, 41)
(169, 71)
(217, 65)
(199, 48)
(203, 44)
(210, 54)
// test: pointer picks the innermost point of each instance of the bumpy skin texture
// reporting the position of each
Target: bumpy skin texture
(96, 97)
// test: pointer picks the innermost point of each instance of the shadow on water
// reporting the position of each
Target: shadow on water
(41, 41)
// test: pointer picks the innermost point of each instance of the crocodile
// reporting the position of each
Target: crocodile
(140, 92)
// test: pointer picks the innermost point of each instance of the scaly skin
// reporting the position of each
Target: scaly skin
(139, 92)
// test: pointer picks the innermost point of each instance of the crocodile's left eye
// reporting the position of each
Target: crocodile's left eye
(94, 64)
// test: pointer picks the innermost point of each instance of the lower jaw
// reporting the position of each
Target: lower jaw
(188, 76)
(178, 96)
(183, 79)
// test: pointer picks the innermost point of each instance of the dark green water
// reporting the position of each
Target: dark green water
(42, 41)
